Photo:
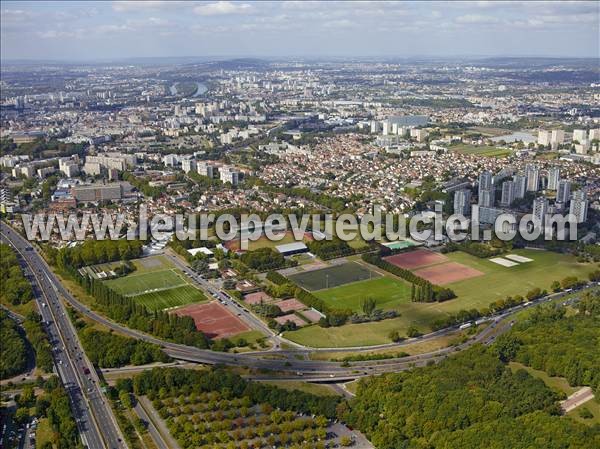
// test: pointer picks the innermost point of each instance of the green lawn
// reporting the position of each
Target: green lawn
(387, 292)
(497, 283)
(500, 282)
(172, 297)
(593, 406)
(316, 389)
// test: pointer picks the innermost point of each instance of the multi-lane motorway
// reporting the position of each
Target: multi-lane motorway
(289, 365)
(95, 420)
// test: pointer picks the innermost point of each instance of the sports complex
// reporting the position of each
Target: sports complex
(477, 282)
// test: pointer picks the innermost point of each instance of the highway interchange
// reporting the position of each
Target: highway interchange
(79, 377)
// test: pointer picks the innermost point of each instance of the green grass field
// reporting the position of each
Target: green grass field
(387, 292)
(500, 282)
(481, 150)
(593, 406)
(497, 283)
(333, 276)
(156, 284)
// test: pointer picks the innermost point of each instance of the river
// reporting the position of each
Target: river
(200, 90)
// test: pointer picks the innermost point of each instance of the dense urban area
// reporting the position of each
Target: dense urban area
(309, 340)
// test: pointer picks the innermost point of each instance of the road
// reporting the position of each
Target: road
(95, 420)
(235, 307)
(289, 367)
(581, 396)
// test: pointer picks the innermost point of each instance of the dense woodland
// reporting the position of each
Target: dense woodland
(330, 249)
(54, 404)
(473, 400)
(109, 350)
(14, 347)
(15, 288)
(263, 259)
(565, 346)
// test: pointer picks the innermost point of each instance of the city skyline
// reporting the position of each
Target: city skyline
(77, 31)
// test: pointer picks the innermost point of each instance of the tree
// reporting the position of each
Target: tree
(555, 286)
(345, 441)
(413, 332)
(395, 336)
(368, 306)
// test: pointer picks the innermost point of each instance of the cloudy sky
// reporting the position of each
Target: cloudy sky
(100, 30)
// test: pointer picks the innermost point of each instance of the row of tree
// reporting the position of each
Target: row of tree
(92, 252)
(177, 381)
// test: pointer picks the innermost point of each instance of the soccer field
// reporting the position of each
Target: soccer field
(173, 297)
(136, 284)
(156, 284)
(386, 291)
(333, 276)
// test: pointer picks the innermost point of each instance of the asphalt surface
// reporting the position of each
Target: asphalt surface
(95, 420)
(287, 366)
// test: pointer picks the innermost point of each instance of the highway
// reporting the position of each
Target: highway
(95, 420)
(288, 366)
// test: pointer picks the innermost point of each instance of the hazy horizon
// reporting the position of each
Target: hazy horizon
(86, 32)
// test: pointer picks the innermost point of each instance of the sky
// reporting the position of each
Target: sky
(72, 31)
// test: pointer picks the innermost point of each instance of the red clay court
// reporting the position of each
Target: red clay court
(415, 259)
(288, 305)
(213, 319)
(446, 273)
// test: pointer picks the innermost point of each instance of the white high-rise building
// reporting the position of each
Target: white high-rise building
(508, 193)
(544, 137)
(485, 191)
(579, 135)
(462, 202)
(540, 209)
(553, 138)
(558, 137)
(563, 193)
(188, 165)
(374, 127)
(533, 178)
(579, 206)
(553, 178)
(231, 175)
(386, 128)
(520, 186)
(594, 134)
(206, 169)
